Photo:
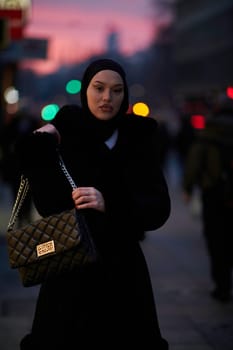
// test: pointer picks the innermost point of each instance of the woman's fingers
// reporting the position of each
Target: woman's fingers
(88, 197)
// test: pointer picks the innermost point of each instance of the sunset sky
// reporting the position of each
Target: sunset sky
(77, 29)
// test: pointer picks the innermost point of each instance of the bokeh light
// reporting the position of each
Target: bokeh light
(73, 86)
(11, 95)
(141, 108)
(198, 121)
(48, 112)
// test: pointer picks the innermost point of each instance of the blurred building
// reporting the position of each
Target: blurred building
(203, 46)
(15, 47)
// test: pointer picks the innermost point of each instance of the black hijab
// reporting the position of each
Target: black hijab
(102, 129)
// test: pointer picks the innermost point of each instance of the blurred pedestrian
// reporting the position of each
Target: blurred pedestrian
(113, 157)
(164, 143)
(209, 167)
(19, 124)
(184, 139)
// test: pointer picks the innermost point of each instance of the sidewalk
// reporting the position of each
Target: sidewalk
(189, 318)
(176, 255)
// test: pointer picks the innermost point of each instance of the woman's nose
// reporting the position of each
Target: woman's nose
(107, 95)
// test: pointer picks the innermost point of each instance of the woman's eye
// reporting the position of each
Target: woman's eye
(118, 91)
(99, 88)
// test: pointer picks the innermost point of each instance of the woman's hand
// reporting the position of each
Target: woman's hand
(49, 128)
(88, 197)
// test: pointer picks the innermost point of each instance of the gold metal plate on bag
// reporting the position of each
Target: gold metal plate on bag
(45, 248)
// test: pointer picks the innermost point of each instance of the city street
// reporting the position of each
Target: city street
(170, 61)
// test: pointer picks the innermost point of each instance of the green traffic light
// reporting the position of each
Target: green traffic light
(49, 111)
(73, 86)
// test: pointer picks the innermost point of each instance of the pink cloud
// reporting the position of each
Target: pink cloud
(74, 32)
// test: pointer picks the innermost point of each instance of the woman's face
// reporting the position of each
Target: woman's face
(105, 94)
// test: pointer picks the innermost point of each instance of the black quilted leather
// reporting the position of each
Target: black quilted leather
(72, 241)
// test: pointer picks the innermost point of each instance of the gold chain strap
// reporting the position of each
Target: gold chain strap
(21, 195)
(23, 190)
(67, 174)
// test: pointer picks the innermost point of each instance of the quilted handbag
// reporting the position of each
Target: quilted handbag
(50, 246)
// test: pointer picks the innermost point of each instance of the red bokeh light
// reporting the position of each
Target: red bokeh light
(229, 91)
(198, 121)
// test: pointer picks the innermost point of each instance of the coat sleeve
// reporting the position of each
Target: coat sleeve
(38, 161)
(140, 195)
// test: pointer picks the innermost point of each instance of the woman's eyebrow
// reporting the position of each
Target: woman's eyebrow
(103, 82)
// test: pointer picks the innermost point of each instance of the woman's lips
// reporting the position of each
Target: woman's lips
(106, 108)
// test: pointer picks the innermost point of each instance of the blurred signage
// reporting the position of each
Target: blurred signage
(16, 21)
(27, 48)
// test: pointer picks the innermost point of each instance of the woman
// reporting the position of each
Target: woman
(112, 156)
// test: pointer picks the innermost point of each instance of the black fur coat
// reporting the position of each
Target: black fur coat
(109, 304)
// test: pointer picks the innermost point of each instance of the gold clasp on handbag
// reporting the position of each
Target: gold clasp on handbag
(45, 248)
